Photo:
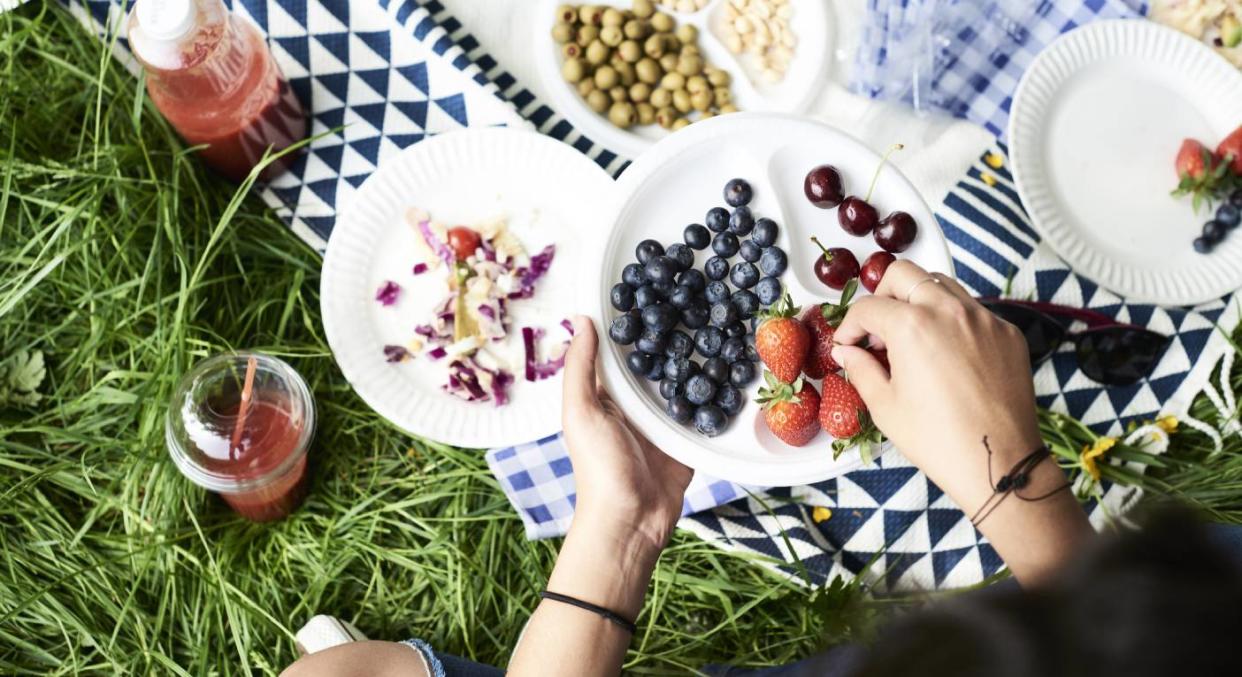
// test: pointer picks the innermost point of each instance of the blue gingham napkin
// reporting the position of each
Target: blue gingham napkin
(965, 57)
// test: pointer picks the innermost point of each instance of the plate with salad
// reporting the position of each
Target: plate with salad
(450, 278)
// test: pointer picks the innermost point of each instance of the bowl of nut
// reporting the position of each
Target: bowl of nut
(629, 72)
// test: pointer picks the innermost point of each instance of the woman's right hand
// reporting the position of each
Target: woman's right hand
(957, 374)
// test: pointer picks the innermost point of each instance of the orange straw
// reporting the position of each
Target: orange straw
(244, 409)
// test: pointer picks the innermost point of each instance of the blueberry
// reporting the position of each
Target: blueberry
(647, 250)
(621, 296)
(749, 251)
(1228, 215)
(1214, 231)
(669, 388)
(656, 372)
(744, 275)
(765, 232)
(696, 316)
(733, 350)
(646, 296)
(707, 341)
(679, 409)
(682, 297)
(693, 279)
(725, 244)
(730, 400)
(773, 262)
(1235, 198)
(661, 269)
(737, 192)
(679, 344)
(735, 330)
(741, 221)
(661, 318)
(716, 268)
(723, 314)
(639, 362)
(634, 275)
(677, 369)
(700, 389)
(710, 420)
(746, 302)
(768, 290)
(717, 219)
(625, 329)
(1203, 245)
(716, 369)
(682, 255)
(652, 341)
(742, 373)
(716, 292)
(664, 289)
(696, 236)
(752, 353)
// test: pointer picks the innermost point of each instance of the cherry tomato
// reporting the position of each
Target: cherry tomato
(463, 242)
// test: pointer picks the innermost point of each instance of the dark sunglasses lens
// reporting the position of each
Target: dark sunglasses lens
(1119, 356)
(1043, 334)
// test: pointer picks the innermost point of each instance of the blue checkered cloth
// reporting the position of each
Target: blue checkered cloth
(965, 57)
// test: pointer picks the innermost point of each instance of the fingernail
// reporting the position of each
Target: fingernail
(580, 322)
(838, 354)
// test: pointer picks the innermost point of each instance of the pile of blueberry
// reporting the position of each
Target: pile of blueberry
(1228, 215)
(664, 292)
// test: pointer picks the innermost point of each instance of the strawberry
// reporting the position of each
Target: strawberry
(781, 340)
(790, 409)
(821, 322)
(1230, 151)
(1202, 175)
(843, 414)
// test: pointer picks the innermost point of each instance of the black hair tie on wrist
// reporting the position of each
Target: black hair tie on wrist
(1012, 481)
(612, 616)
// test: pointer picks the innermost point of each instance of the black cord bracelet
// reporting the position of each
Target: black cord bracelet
(612, 616)
(1013, 481)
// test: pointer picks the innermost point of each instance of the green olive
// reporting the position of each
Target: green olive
(618, 93)
(654, 47)
(665, 117)
(648, 71)
(591, 15)
(630, 51)
(701, 101)
(707, 114)
(640, 92)
(662, 23)
(673, 81)
(646, 113)
(611, 35)
(622, 114)
(636, 29)
(668, 63)
(671, 43)
(613, 17)
(722, 95)
(598, 100)
(690, 65)
(571, 50)
(689, 50)
(587, 35)
(573, 70)
(626, 71)
(681, 101)
(562, 32)
(586, 86)
(727, 108)
(694, 83)
(567, 14)
(596, 53)
(661, 98)
(679, 123)
(644, 8)
(718, 77)
(606, 77)
(687, 33)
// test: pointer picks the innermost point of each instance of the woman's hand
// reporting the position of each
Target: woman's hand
(958, 374)
(624, 483)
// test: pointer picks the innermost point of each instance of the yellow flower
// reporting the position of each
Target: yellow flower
(821, 514)
(1167, 423)
(994, 160)
(1091, 452)
(988, 179)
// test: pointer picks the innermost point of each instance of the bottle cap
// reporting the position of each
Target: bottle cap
(166, 19)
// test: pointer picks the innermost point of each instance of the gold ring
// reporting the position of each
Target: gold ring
(920, 282)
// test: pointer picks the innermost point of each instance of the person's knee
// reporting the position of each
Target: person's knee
(360, 659)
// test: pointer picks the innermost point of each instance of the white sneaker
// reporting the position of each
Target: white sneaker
(324, 632)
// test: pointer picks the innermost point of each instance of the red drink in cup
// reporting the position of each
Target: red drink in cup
(240, 425)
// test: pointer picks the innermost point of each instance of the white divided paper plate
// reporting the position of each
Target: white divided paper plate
(550, 194)
(674, 184)
(1097, 121)
(808, 71)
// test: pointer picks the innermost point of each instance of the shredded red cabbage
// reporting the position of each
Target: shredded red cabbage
(529, 275)
(395, 353)
(420, 268)
(387, 293)
(439, 248)
(436, 353)
(536, 370)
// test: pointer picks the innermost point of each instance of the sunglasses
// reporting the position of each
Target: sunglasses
(1108, 351)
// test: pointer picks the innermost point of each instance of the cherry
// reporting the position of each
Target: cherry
(823, 187)
(873, 269)
(896, 232)
(464, 242)
(856, 215)
(836, 267)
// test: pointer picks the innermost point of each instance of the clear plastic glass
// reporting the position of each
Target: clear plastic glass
(240, 425)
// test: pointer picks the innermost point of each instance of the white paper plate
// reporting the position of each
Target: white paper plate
(1096, 123)
(674, 184)
(808, 71)
(550, 193)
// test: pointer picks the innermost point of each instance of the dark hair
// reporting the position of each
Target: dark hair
(1165, 600)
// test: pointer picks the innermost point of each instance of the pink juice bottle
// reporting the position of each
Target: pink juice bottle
(212, 76)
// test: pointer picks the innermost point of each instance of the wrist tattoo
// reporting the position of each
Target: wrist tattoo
(1013, 482)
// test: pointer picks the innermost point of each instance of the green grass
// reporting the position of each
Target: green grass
(123, 262)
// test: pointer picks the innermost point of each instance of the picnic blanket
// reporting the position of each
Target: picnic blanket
(394, 71)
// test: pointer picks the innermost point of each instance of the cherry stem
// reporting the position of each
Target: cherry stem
(827, 254)
(894, 148)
